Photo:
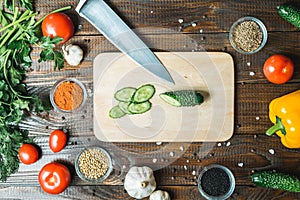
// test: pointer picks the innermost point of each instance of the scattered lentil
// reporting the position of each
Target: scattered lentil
(247, 36)
(93, 163)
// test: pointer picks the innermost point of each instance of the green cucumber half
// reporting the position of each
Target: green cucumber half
(143, 93)
(290, 13)
(182, 98)
(275, 180)
(125, 94)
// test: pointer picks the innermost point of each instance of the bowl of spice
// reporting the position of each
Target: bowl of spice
(68, 95)
(248, 35)
(93, 164)
(216, 182)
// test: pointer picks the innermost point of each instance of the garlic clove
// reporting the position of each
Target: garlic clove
(160, 195)
(73, 54)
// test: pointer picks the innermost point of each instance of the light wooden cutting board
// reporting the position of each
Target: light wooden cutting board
(210, 72)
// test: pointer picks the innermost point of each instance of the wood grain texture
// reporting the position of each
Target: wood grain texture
(205, 26)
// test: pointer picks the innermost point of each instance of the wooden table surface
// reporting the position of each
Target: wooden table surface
(165, 25)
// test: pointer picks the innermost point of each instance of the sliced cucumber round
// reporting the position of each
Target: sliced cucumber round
(124, 106)
(116, 112)
(143, 93)
(125, 94)
(139, 108)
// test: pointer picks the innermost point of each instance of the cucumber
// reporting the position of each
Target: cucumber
(182, 98)
(270, 179)
(290, 13)
(132, 101)
(143, 93)
(116, 112)
(124, 107)
(139, 108)
(125, 94)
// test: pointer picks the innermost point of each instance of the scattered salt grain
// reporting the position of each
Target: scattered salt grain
(201, 31)
(194, 173)
(172, 154)
(158, 143)
(124, 166)
(248, 64)
(257, 118)
(271, 151)
(219, 144)
(180, 21)
(251, 73)
(154, 160)
(185, 167)
(241, 164)
(228, 144)
(151, 11)
(194, 24)
(181, 148)
(187, 161)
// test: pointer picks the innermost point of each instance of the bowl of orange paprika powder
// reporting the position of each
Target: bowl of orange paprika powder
(68, 95)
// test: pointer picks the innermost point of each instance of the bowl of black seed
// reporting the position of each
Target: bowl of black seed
(248, 35)
(93, 164)
(216, 182)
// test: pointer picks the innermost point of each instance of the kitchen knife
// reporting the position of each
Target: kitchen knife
(100, 15)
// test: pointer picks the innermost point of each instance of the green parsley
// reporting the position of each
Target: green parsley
(19, 31)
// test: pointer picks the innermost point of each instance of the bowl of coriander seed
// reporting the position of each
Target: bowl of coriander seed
(93, 164)
(248, 35)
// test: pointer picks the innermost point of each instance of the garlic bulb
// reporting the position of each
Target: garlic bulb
(160, 195)
(139, 182)
(73, 54)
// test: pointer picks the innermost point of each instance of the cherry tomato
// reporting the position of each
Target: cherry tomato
(28, 154)
(59, 25)
(54, 178)
(278, 69)
(57, 140)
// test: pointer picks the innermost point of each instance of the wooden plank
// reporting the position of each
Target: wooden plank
(169, 41)
(208, 16)
(173, 163)
(117, 192)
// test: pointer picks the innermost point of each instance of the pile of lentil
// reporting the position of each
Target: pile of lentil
(93, 163)
(247, 36)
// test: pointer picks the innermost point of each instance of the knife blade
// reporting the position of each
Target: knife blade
(105, 20)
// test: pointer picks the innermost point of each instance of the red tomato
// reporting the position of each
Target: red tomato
(57, 140)
(59, 25)
(28, 154)
(54, 178)
(278, 69)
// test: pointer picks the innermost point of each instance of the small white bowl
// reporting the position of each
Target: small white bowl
(83, 177)
(57, 84)
(262, 27)
(231, 182)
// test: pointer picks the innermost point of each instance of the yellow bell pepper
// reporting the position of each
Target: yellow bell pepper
(284, 112)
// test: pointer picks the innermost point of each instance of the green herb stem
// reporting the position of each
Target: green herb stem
(17, 21)
(55, 11)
